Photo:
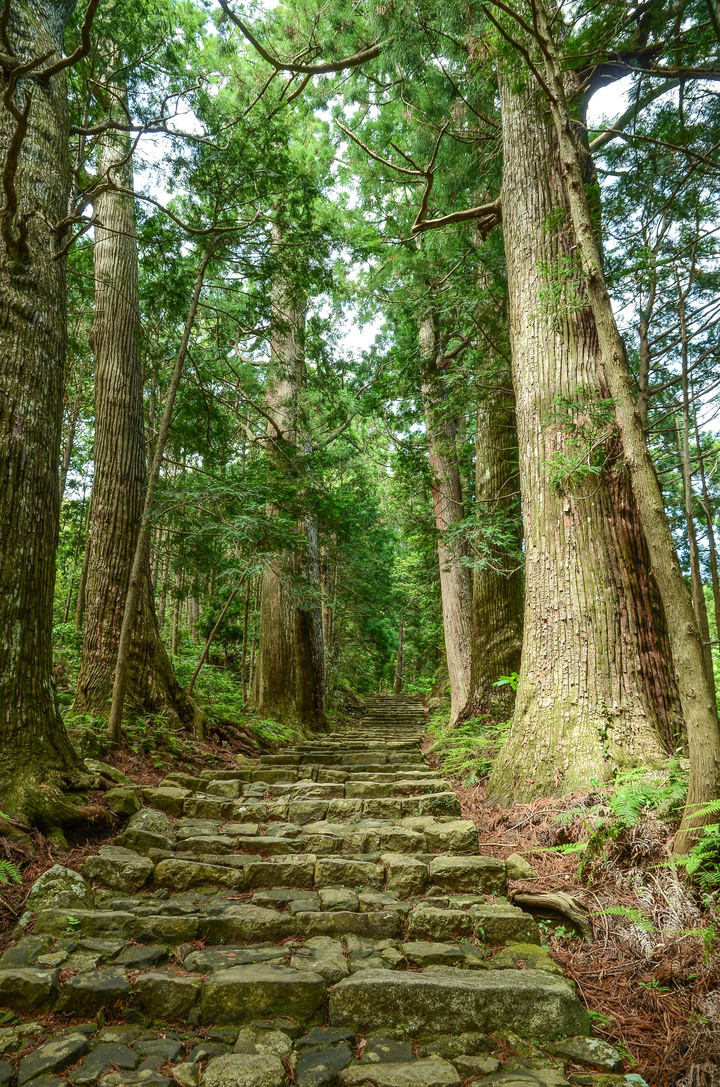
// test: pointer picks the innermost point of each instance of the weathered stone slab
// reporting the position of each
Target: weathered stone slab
(341, 872)
(243, 993)
(26, 988)
(480, 875)
(459, 836)
(427, 1073)
(122, 869)
(531, 1003)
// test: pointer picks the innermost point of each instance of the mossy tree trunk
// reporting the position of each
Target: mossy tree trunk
(596, 687)
(37, 762)
(696, 697)
(120, 462)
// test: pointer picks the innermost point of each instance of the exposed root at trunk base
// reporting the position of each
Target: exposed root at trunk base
(51, 801)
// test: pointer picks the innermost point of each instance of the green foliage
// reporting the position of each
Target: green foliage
(636, 917)
(510, 681)
(9, 872)
(588, 425)
(702, 863)
(468, 750)
(564, 292)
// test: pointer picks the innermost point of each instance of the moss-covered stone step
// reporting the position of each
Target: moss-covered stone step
(532, 1003)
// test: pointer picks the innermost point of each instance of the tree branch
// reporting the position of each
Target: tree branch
(82, 50)
(354, 61)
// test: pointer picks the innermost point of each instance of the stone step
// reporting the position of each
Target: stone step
(334, 881)
(301, 911)
(531, 1003)
(310, 831)
(318, 798)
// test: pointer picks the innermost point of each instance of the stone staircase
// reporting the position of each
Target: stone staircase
(319, 916)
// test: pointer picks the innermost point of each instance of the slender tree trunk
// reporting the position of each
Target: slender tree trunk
(455, 576)
(82, 584)
(162, 603)
(498, 583)
(289, 681)
(698, 591)
(712, 546)
(120, 470)
(399, 677)
(175, 637)
(37, 762)
(139, 583)
(595, 689)
(256, 633)
(243, 656)
(194, 616)
(69, 443)
(696, 697)
(696, 584)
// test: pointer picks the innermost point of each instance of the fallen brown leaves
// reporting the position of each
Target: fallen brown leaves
(655, 990)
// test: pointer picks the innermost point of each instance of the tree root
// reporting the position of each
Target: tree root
(49, 801)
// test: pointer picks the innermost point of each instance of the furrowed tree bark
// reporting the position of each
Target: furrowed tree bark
(37, 763)
(139, 572)
(595, 690)
(289, 677)
(696, 697)
(455, 576)
(120, 466)
(497, 602)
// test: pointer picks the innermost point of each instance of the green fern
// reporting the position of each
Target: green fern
(630, 914)
(9, 872)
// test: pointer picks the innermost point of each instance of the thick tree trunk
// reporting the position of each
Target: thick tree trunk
(120, 467)
(497, 615)
(596, 687)
(455, 576)
(289, 680)
(37, 762)
(696, 698)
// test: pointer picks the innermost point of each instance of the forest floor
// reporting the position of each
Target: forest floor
(651, 975)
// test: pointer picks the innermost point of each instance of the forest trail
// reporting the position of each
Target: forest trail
(319, 916)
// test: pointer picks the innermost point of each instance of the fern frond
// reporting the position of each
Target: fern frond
(9, 872)
(630, 914)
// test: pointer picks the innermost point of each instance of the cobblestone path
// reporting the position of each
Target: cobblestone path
(320, 916)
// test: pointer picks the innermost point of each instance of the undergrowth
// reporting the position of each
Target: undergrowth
(469, 750)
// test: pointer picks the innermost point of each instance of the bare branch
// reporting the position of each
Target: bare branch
(488, 215)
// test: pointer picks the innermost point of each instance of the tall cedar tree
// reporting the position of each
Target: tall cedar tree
(37, 762)
(120, 461)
